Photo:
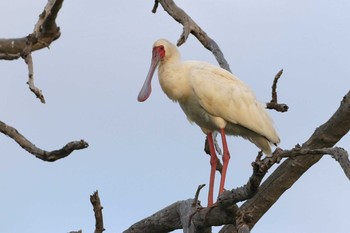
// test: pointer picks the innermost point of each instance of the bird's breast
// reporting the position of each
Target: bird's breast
(173, 81)
(197, 114)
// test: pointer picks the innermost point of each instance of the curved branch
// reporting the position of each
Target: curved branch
(190, 26)
(37, 152)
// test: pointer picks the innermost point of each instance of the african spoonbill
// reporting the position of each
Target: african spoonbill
(214, 99)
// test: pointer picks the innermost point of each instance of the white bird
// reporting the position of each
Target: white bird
(214, 99)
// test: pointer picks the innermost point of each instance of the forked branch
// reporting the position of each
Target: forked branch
(45, 32)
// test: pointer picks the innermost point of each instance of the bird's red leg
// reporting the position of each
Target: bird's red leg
(213, 161)
(225, 158)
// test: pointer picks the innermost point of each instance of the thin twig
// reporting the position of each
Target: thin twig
(338, 153)
(155, 7)
(38, 93)
(274, 86)
(273, 104)
(195, 201)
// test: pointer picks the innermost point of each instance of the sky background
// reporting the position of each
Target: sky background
(145, 156)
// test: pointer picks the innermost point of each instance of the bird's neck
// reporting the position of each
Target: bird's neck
(172, 78)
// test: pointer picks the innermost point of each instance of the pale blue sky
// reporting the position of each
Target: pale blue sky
(145, 156)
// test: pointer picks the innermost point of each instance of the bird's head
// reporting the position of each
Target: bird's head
(162, 50)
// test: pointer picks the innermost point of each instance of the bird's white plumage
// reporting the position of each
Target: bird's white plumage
(214, 98)
(230, 99)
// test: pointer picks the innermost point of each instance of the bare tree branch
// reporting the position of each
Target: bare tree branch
(195, 201)
(29, 61)
(45, 32)
(190, 26)
(165, 220)
(338, 153)
(182, 215)
(342, 157)
(273, 103)
(274, 86)
(155, 7)
(37, 152)
(96, 203)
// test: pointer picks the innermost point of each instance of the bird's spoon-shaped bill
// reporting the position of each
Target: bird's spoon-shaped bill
(146, 89)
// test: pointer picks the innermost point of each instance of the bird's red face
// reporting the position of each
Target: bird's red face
(158, 53)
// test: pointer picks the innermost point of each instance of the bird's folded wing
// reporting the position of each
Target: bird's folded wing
(222, 94)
